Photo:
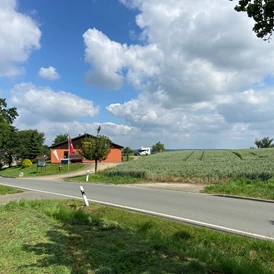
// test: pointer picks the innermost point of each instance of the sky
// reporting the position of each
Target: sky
(190, 74)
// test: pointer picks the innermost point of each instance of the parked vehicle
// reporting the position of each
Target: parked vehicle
(142, 151)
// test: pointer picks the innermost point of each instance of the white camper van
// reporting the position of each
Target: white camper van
(142, 151)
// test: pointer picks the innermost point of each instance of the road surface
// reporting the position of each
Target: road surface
(245, 217)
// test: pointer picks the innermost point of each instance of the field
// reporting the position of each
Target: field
(204, 166)
(63, 237)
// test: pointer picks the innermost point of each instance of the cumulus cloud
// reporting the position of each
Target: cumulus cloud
(109, 59)
(42, 103)
(19, 36)
(49, 73)
(199, 79)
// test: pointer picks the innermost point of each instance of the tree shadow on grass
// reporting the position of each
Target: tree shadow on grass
(90, 245)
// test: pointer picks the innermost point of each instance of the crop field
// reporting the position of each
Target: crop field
(201, 165)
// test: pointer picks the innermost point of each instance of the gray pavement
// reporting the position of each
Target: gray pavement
(251, 218)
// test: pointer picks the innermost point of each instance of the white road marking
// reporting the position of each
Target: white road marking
(184, 220)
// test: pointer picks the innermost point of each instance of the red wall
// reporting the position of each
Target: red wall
(115, 156)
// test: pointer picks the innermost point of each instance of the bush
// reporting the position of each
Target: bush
(26, 163)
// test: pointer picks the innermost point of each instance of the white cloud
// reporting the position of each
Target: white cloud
(49, 73)
(119, 134)
(109, 59)
(206, 61)
(36, 104)
(19, 36)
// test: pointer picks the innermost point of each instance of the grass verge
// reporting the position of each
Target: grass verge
(62, 237)
(248, 188)
(100, 177)
(8, 190)
(51, 169)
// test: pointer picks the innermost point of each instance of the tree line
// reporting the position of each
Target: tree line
(18, 144)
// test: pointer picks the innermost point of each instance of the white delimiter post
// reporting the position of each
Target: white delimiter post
(87, 176)
(84, 196)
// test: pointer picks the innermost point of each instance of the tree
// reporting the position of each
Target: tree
(9, 147)
(127, 150)
(264, 143)
(262, 11)
(7, 132)
(60, 139)
(7, 115)
(30, 144)
(96, 148)
(158, 147)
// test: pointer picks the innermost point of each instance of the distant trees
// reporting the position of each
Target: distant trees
(18, 144)
(266, 142)
(60, 139)
(97, 148)
(127, 150)
(158, 147)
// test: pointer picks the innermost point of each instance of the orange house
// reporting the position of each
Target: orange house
(60, 153)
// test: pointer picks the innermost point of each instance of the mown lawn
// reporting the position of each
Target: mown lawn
(64, 237)
(51, 169)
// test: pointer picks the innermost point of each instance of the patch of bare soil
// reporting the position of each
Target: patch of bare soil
(193, 188)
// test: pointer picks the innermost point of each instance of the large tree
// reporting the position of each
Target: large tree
(60, 139)
(30, 144)
(7, 117)
(9, 147)
(158, 147)
(262, 11)
(96, 148)
(7, 133)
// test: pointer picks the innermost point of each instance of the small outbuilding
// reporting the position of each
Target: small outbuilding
(60, 153)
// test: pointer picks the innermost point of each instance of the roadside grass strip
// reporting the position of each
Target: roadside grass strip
(247, 188)
(8, 190)
(65, 237)
(100, 177)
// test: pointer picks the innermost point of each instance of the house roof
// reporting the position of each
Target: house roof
(77, 142)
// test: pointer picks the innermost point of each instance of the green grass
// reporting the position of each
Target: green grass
(63, 237)
(248, 188)
(102, 178)
(125, 158)
(51, 169)
(201, 166)
(8, 190)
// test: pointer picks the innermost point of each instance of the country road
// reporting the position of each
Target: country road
(246, 217)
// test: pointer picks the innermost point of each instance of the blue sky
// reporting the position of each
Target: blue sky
(191, 75)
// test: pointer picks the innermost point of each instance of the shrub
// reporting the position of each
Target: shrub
(26, 163)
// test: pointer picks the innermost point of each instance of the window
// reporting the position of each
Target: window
(66, 154)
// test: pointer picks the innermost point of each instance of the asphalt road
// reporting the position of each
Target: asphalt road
(250, 218)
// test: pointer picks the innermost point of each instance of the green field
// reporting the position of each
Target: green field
(63, 237)
(51, 169)
(205, 166)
